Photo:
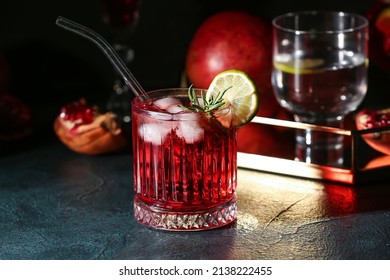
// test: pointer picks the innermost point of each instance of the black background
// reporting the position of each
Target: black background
(51, 66)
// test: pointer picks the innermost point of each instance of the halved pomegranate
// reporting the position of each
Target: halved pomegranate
(84, 130)
(366, 119)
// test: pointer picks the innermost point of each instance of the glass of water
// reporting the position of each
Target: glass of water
(320, 75)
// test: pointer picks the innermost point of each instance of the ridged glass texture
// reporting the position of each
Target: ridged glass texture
(185, 168)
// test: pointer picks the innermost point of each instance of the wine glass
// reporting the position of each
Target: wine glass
(320, 75)
(121, 16)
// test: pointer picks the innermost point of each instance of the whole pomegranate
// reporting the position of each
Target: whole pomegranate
(4, 72)
(379, 29)
(15, 117)
(233, 40)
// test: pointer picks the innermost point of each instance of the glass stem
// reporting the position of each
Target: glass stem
(318, 147)
(119, 101)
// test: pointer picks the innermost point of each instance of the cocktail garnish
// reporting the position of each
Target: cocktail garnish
(214, 103)
(241, 101)
(232, 90)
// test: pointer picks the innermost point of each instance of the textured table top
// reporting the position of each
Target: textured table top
(55, 204)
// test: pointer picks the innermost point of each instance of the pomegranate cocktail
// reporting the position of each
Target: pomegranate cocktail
(185, 169)
(185, 152)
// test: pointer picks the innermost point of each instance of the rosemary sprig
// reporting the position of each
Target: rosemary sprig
(214, 103)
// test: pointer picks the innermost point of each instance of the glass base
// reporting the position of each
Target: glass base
(319, 148)
(185, 221)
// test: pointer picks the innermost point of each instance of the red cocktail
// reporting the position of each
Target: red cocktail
(185, 165)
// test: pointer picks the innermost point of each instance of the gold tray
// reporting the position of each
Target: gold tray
(361, 163)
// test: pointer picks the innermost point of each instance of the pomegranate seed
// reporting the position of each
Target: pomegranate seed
(78, 113)
(375, 119)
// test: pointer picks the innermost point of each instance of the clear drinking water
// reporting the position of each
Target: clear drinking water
(319, 87)
(320, 75)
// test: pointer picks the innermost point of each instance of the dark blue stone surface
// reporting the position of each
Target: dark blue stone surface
(56, 204)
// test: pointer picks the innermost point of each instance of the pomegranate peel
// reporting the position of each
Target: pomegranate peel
(366, 119)
(92, 133)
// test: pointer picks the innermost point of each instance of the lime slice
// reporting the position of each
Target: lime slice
(241, 98)
(301, 66)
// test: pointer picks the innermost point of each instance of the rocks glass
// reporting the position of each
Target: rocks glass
(185, 165)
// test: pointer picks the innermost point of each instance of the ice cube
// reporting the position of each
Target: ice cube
(155, 133)
(188, 116)
(174, 109)
(191, 131)
(166, 102)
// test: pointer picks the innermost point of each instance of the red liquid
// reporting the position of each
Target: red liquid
(121, 13)
(181, 174)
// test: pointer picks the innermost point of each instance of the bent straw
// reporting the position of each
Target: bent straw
(108, 50)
